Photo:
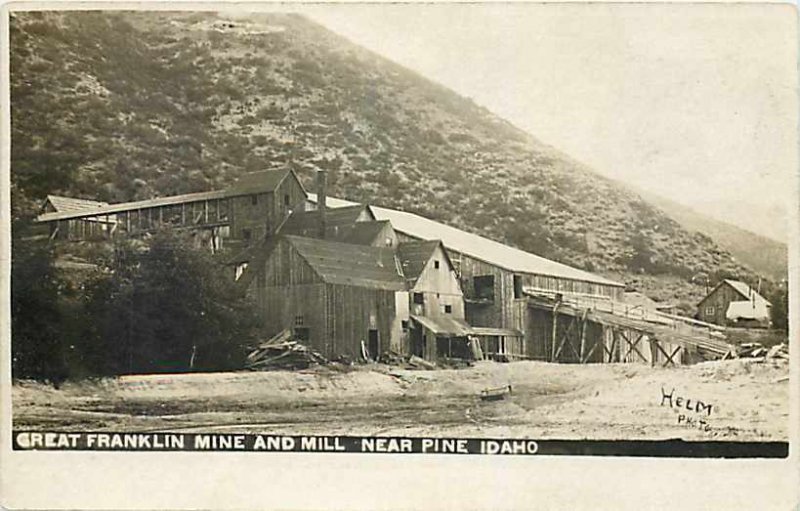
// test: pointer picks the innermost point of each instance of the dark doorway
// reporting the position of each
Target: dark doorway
(373, 345)
(417, 342)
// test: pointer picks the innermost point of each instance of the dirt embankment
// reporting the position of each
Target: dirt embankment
(733, 400)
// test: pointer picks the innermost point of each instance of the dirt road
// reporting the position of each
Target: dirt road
(732, 400)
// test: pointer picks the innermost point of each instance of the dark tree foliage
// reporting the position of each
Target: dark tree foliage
(161, 305)
(779, 298)
(168, 306)
(37, 316)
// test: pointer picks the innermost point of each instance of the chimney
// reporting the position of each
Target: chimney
(322, 192)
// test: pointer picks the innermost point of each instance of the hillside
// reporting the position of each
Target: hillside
(120, 106)
(762, 254)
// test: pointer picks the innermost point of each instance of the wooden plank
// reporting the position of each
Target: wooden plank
(555, 330)
(591, 350)
(583, 334)
(632, 345)
(565, 338)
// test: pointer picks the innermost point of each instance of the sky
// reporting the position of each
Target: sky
(696, 103)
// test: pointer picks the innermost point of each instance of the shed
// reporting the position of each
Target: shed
(732, 302)
(333, 295)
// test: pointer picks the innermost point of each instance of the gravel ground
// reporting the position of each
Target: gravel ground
(738, 400)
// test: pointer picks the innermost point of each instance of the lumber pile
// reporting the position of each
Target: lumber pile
(757, 350)
(283, 352)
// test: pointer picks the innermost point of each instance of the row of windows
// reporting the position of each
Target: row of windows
(419, 299)
(254, 200)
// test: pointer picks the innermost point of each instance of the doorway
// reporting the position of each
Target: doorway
(373, 344)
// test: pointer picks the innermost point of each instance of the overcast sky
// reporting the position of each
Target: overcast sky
(694, 102)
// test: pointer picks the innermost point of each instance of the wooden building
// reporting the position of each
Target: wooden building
(335, 296)
(438, 328)
(734, 303)
(522, 306)
(247, 211)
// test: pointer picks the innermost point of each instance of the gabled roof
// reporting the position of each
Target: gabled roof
(253, 182)
(351, 265)
(129, 206)
(335, 219)
(263, 181)
(365, 233)
(414, 256)
(478, 247)
(62, 204)
(746, 293)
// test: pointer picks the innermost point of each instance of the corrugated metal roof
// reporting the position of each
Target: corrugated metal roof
(414, 256)
(478, 247)
(747, 292)
(444, 325)
(62, 204)
(352, 265)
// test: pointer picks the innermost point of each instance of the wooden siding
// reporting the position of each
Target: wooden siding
(268, 212)
(439, 287)
(719, 299)
(352, 312)
(289, 294)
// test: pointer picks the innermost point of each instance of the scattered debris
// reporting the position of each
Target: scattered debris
(455, 363)
(417, 362)
(496, 393)
(283, 352)
(392, 358)
(757, 350)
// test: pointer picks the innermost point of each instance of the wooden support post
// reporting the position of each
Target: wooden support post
(613, 344)
(183, 214)
(161, 216)
(205, 211)
(565, 339)
(555, 331)
(632, 345)
(591, 351)
(128, 221)
(583, 334)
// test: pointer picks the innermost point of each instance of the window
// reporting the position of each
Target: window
(286, 199)
(484, 287)
(404, 324)
(448, 309)
(419, 298)
(246, 234)
(710, 310)
(302, 333)
(254, 200)
(517, 286)
(436, 264)
(298, 320)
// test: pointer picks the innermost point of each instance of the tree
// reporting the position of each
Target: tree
(37, 344)
(779, 312)
(168, 306)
